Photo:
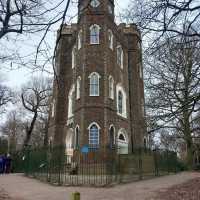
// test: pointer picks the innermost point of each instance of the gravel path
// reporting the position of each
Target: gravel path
(19, 187)
(186, 191)
(4, 195)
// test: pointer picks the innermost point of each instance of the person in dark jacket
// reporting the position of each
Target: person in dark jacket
(1, 164)
(8, 164)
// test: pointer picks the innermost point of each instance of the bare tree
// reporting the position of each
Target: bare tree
(34, 19)
(35, 97)
(3, 145)
(174, 87)
(6, 96)
(30, 16)
(13, 128)
(180, 17)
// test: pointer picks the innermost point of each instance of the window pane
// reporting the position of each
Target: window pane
(94, 136)
(120, 102)
(94, 85)
(94, 35)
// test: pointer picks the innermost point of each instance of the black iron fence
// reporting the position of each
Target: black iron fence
(98, 167)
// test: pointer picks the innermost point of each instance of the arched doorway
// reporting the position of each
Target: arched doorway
(122, 142)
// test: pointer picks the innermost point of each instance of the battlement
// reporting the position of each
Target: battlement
(129, 29)
(69, 29)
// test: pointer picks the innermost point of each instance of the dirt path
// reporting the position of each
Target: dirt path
(185, 191)
(19, 187)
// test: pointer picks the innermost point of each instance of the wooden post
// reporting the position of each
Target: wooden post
(75, 196)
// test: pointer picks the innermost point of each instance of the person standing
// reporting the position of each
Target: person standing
(8, 164)
(1, 165)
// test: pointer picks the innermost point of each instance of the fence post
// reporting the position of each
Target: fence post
(119, 168)
(75, 196)
(61, 164)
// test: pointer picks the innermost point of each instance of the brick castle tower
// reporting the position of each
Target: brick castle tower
(98, 97)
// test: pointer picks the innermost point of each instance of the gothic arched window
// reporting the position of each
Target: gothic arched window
(122, 141)
(111, 87)
(120, 56)
(70, 102)
(94, 3)
(73, 57)
(111, 137)
(110, 39)
(121, 101)
(94, 84)
(80, 39)
(94, 34)
(78, 88)
(94, 135)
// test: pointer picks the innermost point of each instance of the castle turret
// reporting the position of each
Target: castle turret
(99, 101)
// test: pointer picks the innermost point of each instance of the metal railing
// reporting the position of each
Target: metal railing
(97, 167)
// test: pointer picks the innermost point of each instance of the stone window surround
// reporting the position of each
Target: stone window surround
(94, 3)
(80, 37)
(110, 39)
(73, 57)
(78, 88)
(120, 56)
(111, 87)
(95, 34)
(124, 106)
(92, 84)
(98, 132)
(70, 101)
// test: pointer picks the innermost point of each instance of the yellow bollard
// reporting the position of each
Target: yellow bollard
(75, 196)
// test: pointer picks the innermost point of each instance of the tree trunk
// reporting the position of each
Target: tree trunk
(46, 136)
(188, 140)
(29, 130)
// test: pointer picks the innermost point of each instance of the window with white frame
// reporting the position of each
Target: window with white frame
(94, 34)
(78, 87)
(110, 39)
(70, 102)
(94, 129)
(121, 101)
(80, 39)
(94, 3)
(94, 84)
(111, 87)
(120, 56)
(73, 57)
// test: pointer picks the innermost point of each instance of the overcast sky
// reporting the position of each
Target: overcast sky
(15, 78)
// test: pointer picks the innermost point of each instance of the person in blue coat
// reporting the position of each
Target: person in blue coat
(1, 164)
